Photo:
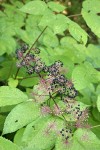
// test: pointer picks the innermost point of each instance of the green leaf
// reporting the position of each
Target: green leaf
(34, 7)
(95, 126)
(73, 50)
(12, 82)
(83, 139)
(87, 139)
(76, 31)
(2, 120)
(61, 144)
(93, 54)
(98, 103)
(6, 109)
(11, 96)
(45, 137)
(56, 6)
(96, 114)
(33, 128)
(7, 145)
(50, 40)
(83, 75)
(18, 137)
(47, 21)
(29, 82)
(60, 24)
(9, 69)
(20, 116)
(7, 44)
(98, 89)
(90, 13)
(79, 78)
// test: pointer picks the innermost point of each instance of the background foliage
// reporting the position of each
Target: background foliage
(72, 36)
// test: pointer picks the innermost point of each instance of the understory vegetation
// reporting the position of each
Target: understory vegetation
(50, 75)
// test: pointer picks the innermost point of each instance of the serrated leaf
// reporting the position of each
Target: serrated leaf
(56, 6)
(7, 145)
(48, 132)
(20, 116)
(11, 96)
(98, 103)
(34, 7)
(76, 31)
(90, 13)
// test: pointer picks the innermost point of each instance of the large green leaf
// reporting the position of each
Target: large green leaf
(20, 116)
(7, 145)
(11, 96)
(35, 7)
(44, 132)
(91, 14)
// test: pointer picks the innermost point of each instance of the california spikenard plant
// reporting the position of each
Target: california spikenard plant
(49, 72)
(55, 95)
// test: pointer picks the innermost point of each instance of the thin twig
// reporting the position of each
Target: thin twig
(53, 100)
(30, 49)
(94, 126)
(74, 15)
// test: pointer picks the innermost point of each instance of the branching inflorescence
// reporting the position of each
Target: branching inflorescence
(56, 86)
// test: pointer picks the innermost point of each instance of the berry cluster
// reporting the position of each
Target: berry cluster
(66, 133)
(34, 64)
(30, 61)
